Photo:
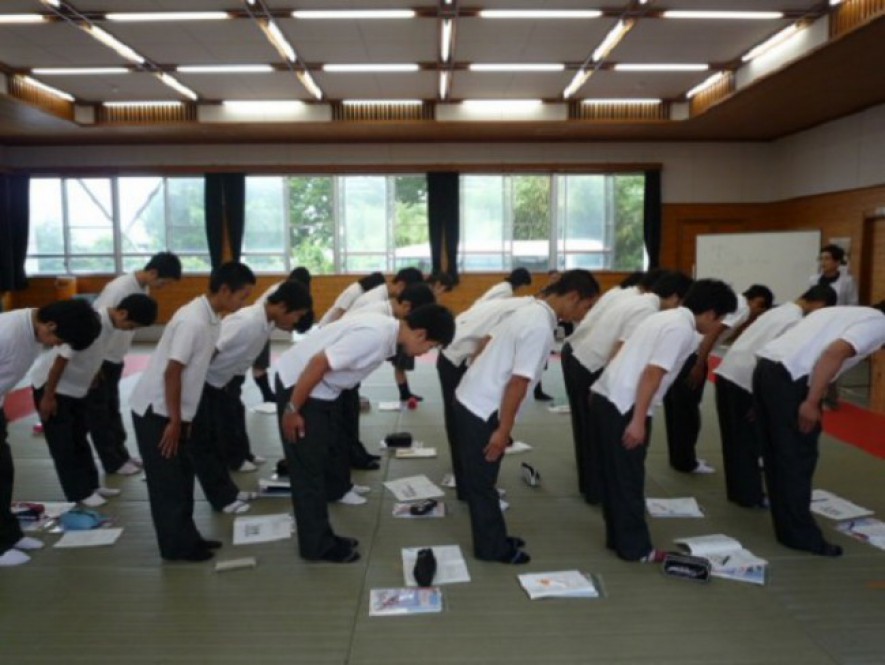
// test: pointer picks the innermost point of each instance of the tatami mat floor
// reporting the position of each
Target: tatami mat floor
(121, 604)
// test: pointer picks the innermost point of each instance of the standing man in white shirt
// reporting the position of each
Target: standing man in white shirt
(165, 400)
(103, 414)
(834, 274)
(23, 332)
(310, 378)
(490, 394)
(386, 290)
(789, 384)
(507, 288)
(623, 401)
(734, 395)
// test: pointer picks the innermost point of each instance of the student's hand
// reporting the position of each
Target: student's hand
(496, 446)
(48, 407)
(634, 435)
(293, 427)
(809, 416)
(697, 375)
(170, 440)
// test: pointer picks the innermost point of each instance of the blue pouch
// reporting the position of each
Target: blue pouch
(79, 519)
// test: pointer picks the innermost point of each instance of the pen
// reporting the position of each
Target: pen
(725, 560)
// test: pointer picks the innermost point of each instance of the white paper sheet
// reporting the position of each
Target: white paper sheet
(89, 538)
(451, 568)
(414, 488)
(263, 528)
(676, 507)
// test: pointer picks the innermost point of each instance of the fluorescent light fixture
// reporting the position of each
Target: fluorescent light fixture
(660, 67)
(615, 35)
(540, 13)
(833, 3)
(177, 85)
(638, 101)
(112, 42)
(263, 107)
(517, 67)
(714, 14)
(154, 104)
(78, 71)
(353, 14)
(501, 104)
(279, 40)
(22, 18)
(48, 89)
(381, 102)
(444, 84)
(224, 69)
(309, 84)
(52, 3)
(363, 68)
(770, 43)
(578, 80)
(140, 17)
(445, 42)
(709, 82)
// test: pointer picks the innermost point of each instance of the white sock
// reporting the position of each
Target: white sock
(28, 543)
(108, 492)
(352, 499)
(13, 557)
(94, 500)
(246, 496)
(129, 468)
(236, 508)
(360, 489)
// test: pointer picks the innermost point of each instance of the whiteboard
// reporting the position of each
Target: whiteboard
(784, 261)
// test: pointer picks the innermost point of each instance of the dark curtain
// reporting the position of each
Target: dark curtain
(14, 210)
(652, 218)
(225, 199)
(444, 222)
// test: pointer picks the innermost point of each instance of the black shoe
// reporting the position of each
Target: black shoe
(373, 458)
(828, 549)
(365, 465)
(352, 543)
(516, 558)
(541, 396)
(207, 544)
(341, 553)
(425, 567)
(516, 542)
(199, 554)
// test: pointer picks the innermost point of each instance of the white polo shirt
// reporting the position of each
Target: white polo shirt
(520, 346)
(499, 290)
(844, 286)
(384, 307)
(111, 295)
(18, 348)
(801, 347)
(606, 300)
(189, 338)
(472, 326)
(354, 346)
(664, 340)
(740, 361)
(243, 334)
(82, 365)
(378, 294)
(622, 317)
(344, 301)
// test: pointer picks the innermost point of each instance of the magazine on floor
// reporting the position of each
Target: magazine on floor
(400, 602)
(677, 507)
(728, 558)
(559, 584)
(866, 529)
(829, 505)
(404, 510)
(414, 488)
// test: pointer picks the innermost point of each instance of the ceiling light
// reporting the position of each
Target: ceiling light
(615, 35)
(166, 16)
(48, 89)
(773, 41)
(680, 13)
(78, 71)
(540, 13)
(382, 102)
(444, 84)
(706, 83)
(278, 39)
(445, 47)
(145, 103)
(112, 42)
(517, 67)
(392, 68)
(224, 69)
(177, 85)
(578, 80)
(263, 107)
(501, 104)
(353, 14)
(52, 3)
(833, 3)
(659, 67)
(639, 101)
(309, 84)
(22, 18)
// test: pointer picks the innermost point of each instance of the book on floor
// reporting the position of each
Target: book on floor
(451, 568)
(866, 529)
(677, 507)
(274, 487)
(415, 453)
(252, 529)
(829, 505)
(414, 488)
(403, 510)
(399, 602)
(559, 584)
(89, 538)
(728, 557)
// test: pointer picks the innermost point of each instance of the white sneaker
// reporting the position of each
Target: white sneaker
(360, 489)
(247, 466)
(129, 468)
(236, 508)
(13, 558)
(503, 504)
(108, 492)
(28, 543)
(703, 468)
(244, 495)
(258, 459)
(352, 499)
(94, 500)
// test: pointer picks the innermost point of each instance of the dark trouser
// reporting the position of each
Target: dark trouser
(623, 481)
(682, 414)
(309, 470)
(790, 456)
(104, 420)
(449, 378)
(578, 380)
(10, 530)
(66, 437)
(206, 453)
(262, 361)
(478, 486)
(232, 436)
(357, 455)
(170, 483)
(740, 444)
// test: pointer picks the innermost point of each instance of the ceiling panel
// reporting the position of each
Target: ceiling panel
(155, 5)
(246, 87)
(419, 85)
(475, 85)
(123, 87)
(52, 45)
(663, 85)
(413, 40)
(743, 5)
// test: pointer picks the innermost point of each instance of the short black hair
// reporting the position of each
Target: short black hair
(707, 294)
(167, 265)
(519, 277)
(835, 251)
(417, 294)
(436, 320)
(760, 291)
(444, 279)
(139, 308)
(370, 281)
(305, 323)
(233, 274)
(880, 306)
(300, 274)
(578, 280)
(76, 323)
(673, 282)
(293, 294)
(821, 293)
(650, 277)
(631, 280)
(409, 275)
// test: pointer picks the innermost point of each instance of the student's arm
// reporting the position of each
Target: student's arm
(698, 372)
(48, 403)
(649, 383)
(514, 393)
(333, 315)
(293, 423)
(827, 366)
(615, 349)
(172, 384)
(482, 345)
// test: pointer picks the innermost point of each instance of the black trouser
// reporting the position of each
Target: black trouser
(682, 414)
(10, 530)
(66, 436)
(170, 483)
(230, 419)
(578, 380)
(358, 456)
(477, 483)
(449, 378)
(311, 461)
(790, 456)
(104, 420)
(204, 448)
(623, 480)
(740, 444)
